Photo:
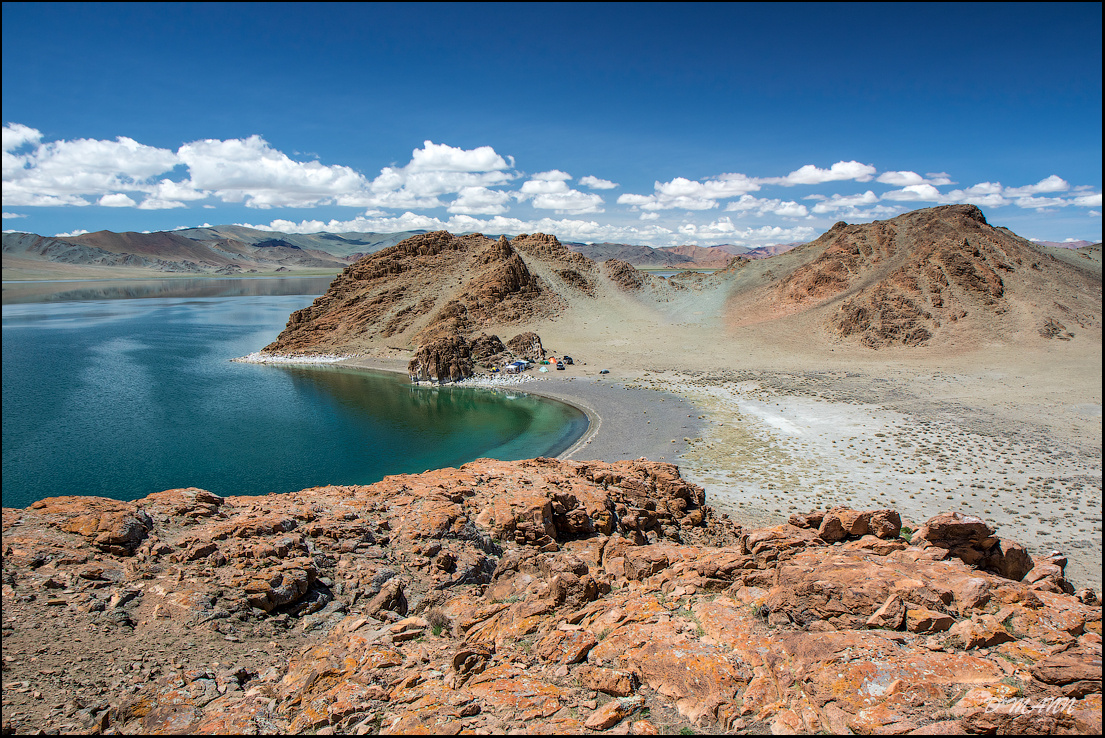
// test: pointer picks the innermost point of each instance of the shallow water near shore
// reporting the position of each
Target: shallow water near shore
(122, 398)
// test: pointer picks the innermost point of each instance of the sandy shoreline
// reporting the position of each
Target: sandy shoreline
(624, 422)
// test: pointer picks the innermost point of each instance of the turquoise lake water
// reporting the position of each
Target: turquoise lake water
(124, 397)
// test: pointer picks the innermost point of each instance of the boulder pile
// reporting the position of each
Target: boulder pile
(537, 596)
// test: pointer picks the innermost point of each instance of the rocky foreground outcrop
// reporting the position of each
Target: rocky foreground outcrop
(537, 596)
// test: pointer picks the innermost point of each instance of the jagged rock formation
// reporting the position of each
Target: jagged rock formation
(504, 596)
(527, 345)
(486, 348)
(447, 359)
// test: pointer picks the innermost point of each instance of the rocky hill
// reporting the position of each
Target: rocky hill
(438, 294)
(922, 277)
(539, 596)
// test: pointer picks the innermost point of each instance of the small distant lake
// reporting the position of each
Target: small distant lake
(123, 397)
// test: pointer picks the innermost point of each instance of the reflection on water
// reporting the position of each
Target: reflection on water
(127, 397)
(112, 289)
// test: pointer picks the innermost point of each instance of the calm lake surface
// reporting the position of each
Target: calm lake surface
(124, 397)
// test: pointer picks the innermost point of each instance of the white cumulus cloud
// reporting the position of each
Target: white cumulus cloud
(597, 184)
(723, 228)
(748, 204)
(1053, 183)
(116, 200)
(811, 175)
(480, 201)
(1041, 202)
(251, 171)
(681, 193)
(915, 193)
(845, 202)
(444, 158)
(66, 172)
(550, 191)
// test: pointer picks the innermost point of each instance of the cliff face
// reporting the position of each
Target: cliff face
(505, 595)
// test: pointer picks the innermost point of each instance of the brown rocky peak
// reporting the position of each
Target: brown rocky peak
(549, 248)
(498, 251)
(538, 243)
(428, 287)
(906, 280)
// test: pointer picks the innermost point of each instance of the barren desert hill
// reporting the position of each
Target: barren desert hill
(1063, 244)
(766, 252)
(921, 278)
(1086, 257)
(438, 285)
(224, 250)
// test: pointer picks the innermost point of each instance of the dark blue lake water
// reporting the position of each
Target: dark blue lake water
(124, 397)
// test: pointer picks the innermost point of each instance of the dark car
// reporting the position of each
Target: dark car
(568, 360)
(560, 365)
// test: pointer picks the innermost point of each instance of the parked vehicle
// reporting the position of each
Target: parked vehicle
(560, 365)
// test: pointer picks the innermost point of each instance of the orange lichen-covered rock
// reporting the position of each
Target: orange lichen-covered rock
(478, 599)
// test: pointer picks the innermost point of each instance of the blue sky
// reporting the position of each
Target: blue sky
(659, 123)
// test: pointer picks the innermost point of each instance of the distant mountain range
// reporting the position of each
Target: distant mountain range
(232, 250)
(1065, 244)
(223, 250)
(237, 250)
